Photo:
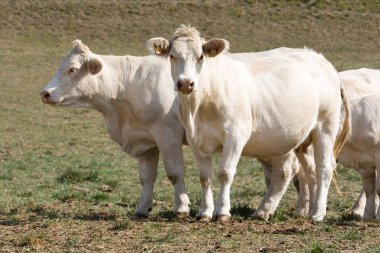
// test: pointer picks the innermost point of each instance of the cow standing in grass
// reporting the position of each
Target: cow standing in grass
(264, 109)
(362, 150)
(137, 100)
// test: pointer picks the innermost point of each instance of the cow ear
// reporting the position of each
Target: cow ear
(94, 66)
(214, 47)
(159, 46)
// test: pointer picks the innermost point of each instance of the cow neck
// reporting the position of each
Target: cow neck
(112, 100)
(189, 105)
(113, 81)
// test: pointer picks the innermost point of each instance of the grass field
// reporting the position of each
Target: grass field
(66, 187)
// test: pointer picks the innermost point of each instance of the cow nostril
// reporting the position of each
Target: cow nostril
(45, 94)
(191, 84)
(179, 85)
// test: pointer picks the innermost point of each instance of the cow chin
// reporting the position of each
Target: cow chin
(186, 90)
(74, 102)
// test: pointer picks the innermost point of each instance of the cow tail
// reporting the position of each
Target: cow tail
(345, 131)
(343, 135)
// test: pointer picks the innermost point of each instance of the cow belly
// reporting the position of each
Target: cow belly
(269, 148)
(269, 144)
(356, 159)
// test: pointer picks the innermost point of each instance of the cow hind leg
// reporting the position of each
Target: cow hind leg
(147, 166)
(359, 206)
(282, 173)
(303, 192)
(369, 186)
(323, 141)
(307, 174)
(267, 169)
(378, 187)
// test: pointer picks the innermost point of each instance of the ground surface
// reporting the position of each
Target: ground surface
(65, 187)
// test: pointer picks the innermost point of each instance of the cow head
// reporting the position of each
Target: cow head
(73, 83)
(188, 53)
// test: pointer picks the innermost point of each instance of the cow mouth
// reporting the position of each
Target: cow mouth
(186, 92)
(52, 103)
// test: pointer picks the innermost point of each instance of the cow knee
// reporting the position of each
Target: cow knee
(172, 178)
(225, 177)
(283, 175)
(378, 190)
(205, 182)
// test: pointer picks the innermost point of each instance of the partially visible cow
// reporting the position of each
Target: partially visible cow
(360, 83)
(140, 107)
(265, 108)
(362, 150)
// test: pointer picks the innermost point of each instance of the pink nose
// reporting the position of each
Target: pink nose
(45, 96)
(185, 85)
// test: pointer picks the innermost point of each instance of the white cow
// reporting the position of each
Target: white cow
(136, 98)
(360, 83)
(301, 180)
(362, 150)
(263, 109)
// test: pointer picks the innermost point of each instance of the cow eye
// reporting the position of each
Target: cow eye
(72, 70)
(200, 58)
(171, 57)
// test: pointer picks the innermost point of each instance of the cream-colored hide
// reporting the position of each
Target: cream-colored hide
(362, 87)
(265, 109)
(136, 98)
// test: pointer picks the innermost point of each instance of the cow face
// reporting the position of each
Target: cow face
(73, 84)
(188, 53)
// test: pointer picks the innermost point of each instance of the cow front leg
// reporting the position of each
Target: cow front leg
(206, 206)
(169, 138)
(227, 168)
(175, 171)
(282, 173)
(147, 166)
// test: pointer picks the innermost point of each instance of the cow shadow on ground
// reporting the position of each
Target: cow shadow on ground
(240, 212)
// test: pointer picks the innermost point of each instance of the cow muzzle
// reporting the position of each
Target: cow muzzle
(186, 86)
(46, 97)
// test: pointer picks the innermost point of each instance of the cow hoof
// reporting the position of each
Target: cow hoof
(204, 219)
(301, 213)
(223, 219)
(141, 216)
(357, 214)
(260, 216)
(317, 218)
(181, 216)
